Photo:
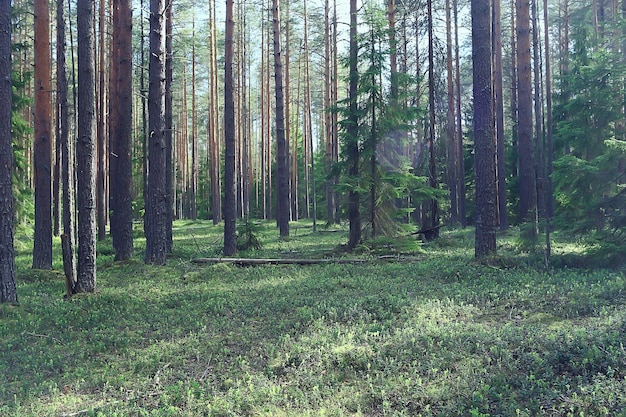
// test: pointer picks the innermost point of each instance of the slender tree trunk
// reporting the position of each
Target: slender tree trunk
(42, 158)
(230, 242)
(538, 112)
(169, 128)
(101, 126)
(459, 129)
(193, 194)
(514, 118)
(431, 219)
(485, 239)
(308, 117)
(528, 192)
(282, 167)
(67, 156)
(328, 128)
(8, 289)
(499, 115)
(451, 123)
(144, 115)
(155, 222)
(550, 148)
(86, 150)
(352, 133)
(214, 162)
(121, 180)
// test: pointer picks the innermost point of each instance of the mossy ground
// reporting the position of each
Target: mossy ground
(441, 336)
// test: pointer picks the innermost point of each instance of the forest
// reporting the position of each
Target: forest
(312, 207)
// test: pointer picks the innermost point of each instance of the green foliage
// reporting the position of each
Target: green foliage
(440, 336)
(588, 177)
(248, 235)
(21, 133)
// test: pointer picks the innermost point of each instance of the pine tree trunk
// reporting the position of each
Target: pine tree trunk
(451, 123)
(282, 168)
(484, 149)
(67, 156)
(528, 192)
(430, 220)
(101, 126)
(230, 242)
(42, 248)
(538, 112)
(499, 114)
(155, 222)
(308, 118)
(169, 128)
(120, 143)
(8, 289)
(352, 133)
(86, 151)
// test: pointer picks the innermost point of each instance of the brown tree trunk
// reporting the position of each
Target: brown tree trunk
(485, 238)
(8, 289)
(155, 222)
(193, 191)
(214, 161)
(169, 128)
(282, 168)
(308, 116)
(230, 239)
(120, 141)
(101, 126)
(499, 115)
(42, 158)
(86, 150)
(451, 123)
(528, 192)
(430, 219)
(459, 127)
(352, 133)
(67, 156)
(538, 112)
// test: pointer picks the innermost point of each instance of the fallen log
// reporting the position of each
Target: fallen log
(276, 261)
(298, 261)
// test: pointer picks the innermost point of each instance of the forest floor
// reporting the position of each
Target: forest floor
(437, 335)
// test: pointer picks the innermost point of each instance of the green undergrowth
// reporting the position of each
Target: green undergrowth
(435, 334)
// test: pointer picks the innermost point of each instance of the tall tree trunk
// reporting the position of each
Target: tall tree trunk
(352, 133)
(193, 194)
(451, 123)
(120, 143)
(144, 115)
(528, 192)
(550, 147)
(538, 112)
(328, 128)
(8, 289)
(155, 222)
(484, 150)
(169, 128)
(514, 105)
(459, 127)
(308, 118)
(431, 217)
(101, 125)
(214, 162)
(86, 150)
(67, 156)
(42, 158)
(499, 115)
(230, 239)
(282, 168)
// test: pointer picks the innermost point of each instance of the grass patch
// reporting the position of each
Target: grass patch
(444, 335)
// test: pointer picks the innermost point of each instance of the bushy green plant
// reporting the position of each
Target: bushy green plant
(248, 235)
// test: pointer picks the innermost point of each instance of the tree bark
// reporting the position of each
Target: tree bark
(484, 151)
(499, 114)
(67, 157)
(282, 167)
(120, 144)
(451, 123)
(86, 150)
(459, 127)
(352, 133)
(8, 289)
(230, 203)
(169, 129)
(42, 158)
(528, 192)
(101, 125)
(155, 221)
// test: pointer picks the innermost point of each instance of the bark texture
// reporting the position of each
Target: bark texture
(8, 290)
(230, 204)
(86, 150)
(484, 149)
